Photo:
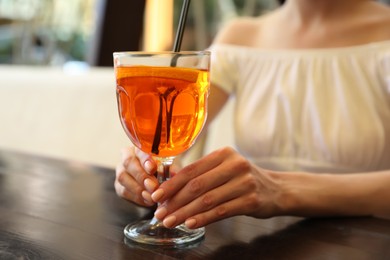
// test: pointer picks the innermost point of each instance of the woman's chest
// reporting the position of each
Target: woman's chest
(333, 116)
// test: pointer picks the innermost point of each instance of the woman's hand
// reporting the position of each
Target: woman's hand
(220, 185)
(135, 179)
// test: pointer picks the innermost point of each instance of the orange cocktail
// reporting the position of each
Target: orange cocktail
(162, 109)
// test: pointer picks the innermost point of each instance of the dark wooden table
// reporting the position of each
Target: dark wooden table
(53, 209)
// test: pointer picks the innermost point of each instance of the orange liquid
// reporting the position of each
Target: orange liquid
(162, 109)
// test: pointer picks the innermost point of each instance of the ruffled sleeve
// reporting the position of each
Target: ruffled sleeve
(224, 72)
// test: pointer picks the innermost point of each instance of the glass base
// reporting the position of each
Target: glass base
(153, 232)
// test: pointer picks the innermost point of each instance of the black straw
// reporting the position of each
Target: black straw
(180, 29)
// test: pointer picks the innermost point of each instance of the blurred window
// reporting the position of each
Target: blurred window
(54, 32)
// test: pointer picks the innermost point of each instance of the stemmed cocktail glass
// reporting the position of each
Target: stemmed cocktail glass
(162, 103)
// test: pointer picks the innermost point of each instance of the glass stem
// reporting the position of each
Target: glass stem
(163, 168)
(163, 174)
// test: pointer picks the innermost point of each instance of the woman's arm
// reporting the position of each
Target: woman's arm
(216, 101)
(356, 194)
(224, 184)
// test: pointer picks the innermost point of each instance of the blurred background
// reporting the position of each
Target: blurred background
(57, 83)
(86, 32)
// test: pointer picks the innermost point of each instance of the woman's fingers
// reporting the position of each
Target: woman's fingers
(134, 163)
(146, 161)
(127, 188)
(194, 188)
(188, 177)
(222, 211)
(133, 182)
(218, 186)
(238, 196)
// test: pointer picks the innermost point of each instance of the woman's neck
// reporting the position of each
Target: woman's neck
(324, 24)
(303, 12)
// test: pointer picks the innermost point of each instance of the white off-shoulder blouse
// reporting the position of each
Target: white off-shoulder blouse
(318, 110)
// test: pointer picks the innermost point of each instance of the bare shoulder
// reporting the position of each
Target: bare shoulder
(237, 31)
(241, 31)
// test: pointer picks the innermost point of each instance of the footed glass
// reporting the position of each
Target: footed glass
(162, 104)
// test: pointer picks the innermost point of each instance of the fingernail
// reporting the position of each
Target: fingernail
(160, 213)
(148, 166)
(146, 196)
(157, 195)
(190, 223)
(169, 221)
(150, 185)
